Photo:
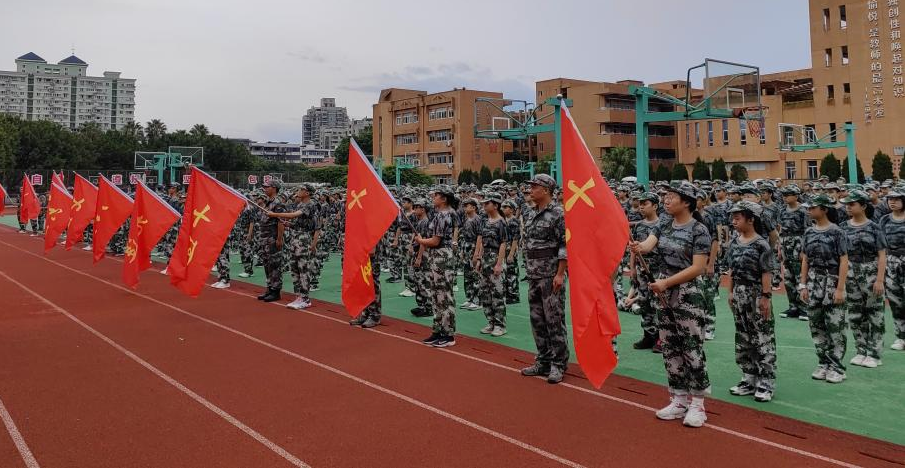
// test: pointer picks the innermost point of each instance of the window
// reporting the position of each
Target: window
(844, 55)
(830, 92)
(725, 131)
(406, 139)
(440, 113)
(743, 134)
(812, 170)
(687, 135)
(832, 131)
(847, 88)
(697, 134)
(440, 135)
(843, 23)
(439, 158)
(709, 133)
(406, 117)
(790, 170)
(828, 58)
(763, 135)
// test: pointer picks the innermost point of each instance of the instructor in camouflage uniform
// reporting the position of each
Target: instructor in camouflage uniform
(271, 230)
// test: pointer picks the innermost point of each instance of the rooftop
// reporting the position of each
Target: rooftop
(73, 60)
(31, 56)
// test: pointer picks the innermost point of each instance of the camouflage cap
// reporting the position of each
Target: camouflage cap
(470, 201)
(790, 190)
(748, 189)
(509, 203)
(273, 182)
(831, 185)
(747, 206)
(419, 203)
(683, 188)
(821, 200)
(649, 196)
(896, 194)
(543, 180)
(856, 196)
(493, 197)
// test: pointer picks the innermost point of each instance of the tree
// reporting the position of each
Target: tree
(155, 131)
(466, 176)
(407, 176)
(497, 174)
(859, 170)
(830, 168)
(718, 170)
(662, 173)
(881, 167)
(364, 139)
(619, 163)
(700, 171)
(679, 172)
(333, 175)
(738, 173)
(199, 131)
(484, 176)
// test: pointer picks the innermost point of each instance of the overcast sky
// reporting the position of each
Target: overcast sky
(251, 68)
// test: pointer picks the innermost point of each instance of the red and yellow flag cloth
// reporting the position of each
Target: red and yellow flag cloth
(112, 210)
(30, 205)
(3, 195)
(370, 209)
(84, 202)
(151, 219)
(57, 178)
(596, 236)
(59, 204)
(211, 210)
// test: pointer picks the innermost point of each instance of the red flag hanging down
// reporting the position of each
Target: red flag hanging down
(151, 219)
(84, 202)
(211, 210)
(57, 179)
(31, 206)
(370, 209)
(3, 195)
(112, 210)
(596, 237)
(59, 205)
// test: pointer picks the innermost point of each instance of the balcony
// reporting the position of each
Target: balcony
(616, 115)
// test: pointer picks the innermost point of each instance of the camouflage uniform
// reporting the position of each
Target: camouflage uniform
(545, 247)
(755, 337)
(404, 250)
(823, 249)
(321, 255)
(271, 255)
(442, 272)
(683, 318)
(246, 246)
(468, 236)
(792, 224)
(492, 292)
(646, 298)
(513, 229)
(865, 310)
(710, 284)
(421, 274)
(773, 212)
(374, 309)
(894, 232)
(223, 264)
(300, 234)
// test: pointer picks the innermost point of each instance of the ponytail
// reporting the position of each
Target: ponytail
(832, 215)
(869, 210)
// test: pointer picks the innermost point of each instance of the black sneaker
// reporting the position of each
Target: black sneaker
(790, 313)
(422, 313)
(357, 321)
(743, 388)
(394, 280)
(512, 301)
(646, 342)
(445, 341)
(434, 338)
(536, 369)
(264, 295)
(274, 295)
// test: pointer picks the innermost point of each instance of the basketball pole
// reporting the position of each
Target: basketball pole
(852, 158)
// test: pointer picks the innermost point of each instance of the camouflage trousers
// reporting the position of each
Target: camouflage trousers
(400, 262)
(755, 337)
(421, 281)
(512, 281)
(895, 291)
(374, 309)
(246, 254)
(223, 264)
(645, 301)
(865, 309)
(301, 262)
(791, 264)
(709, 286)
(272, 258)
(826, 319)
(682, 322)
(547, 312)
(118, 241)
(169, 241)
(320, 258)
(492, 290)
(470, 277)
(442, 271)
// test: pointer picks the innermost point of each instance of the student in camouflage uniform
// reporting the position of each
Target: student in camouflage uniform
(420, 273)
(772, 212)
(645, 298)
(442, 267)
(866, 277)
(514, 230)
(793, 220)
(468, 237)
(893, 225)
(710, 280)
(751, 262)
(245, 240)
(684, 245)
(370, 316)
(545, 254)
(824, 268)
(402, 246)
(168, 242)
(303, 233)
(321, 254)
(271, 232)
(489, 262)
(222, 267)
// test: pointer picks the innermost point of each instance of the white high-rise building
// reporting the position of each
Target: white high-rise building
(325, 125)
(65, 94)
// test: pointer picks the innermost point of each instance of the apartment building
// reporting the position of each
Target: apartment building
(325, 125)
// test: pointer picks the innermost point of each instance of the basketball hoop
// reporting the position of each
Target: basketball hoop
(755, 118)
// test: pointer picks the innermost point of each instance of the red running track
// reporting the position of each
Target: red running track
(94, 374)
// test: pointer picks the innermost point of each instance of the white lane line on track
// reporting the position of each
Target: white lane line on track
(27, 457)
(362, 381)
(592, 392)
(197, 398)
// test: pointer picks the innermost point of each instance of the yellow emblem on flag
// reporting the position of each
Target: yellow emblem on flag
(366, 272)
(131, 250)
(578, 193)
(356, 199)
(191, 251)
(202, 215)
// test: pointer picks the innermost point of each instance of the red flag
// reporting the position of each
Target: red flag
(3, 195)
(151, 219)
(84, 203)
(211, 210)
(596, 237)
(370, 209)
(57, 179)
(113, 207)
(28, 200)
(59, 203)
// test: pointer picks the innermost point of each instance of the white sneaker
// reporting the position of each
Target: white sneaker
(164, 271)
(220, 285)
(871, 362)
(465, 304)
(858, 360)
(455, 288)
(21, 231)
(385, 269)
(833, 376)
(88, 248)
(214, 268)
(678, 406)
(244, 275)
(498, 331)
(295, 304)
(314, 289)
(898, 344)
(709, 335)
(819, 373)
(487, 329)
(305, 304)
(407, 293)
(695, 416)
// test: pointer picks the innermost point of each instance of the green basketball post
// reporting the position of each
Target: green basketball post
(641, 137)
(852, 158)
(826, 143)
(557, 135)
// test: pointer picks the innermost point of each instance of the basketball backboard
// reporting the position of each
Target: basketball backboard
(409, 160)
(493, 117)
(717, 85)
(791, 135)
(187, 155)
(147, 159)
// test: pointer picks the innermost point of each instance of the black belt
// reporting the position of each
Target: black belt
(542, 253)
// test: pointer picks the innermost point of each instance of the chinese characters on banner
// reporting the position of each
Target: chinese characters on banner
(117, 179)
(37, 180)
(895, 47)
(874, 99)
(186, 179)
(252, 179)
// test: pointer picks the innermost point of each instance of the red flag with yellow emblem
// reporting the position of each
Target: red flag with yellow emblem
(59, 204)
(30, 206)
(596, 237)
(112, 210)
(211, 210)
(84, 202)
(370, 209)
(3, 195)
(151, 219)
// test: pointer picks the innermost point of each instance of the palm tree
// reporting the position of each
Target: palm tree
(156, 130)
(199, 131)
(619, 163)
(134, 130)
